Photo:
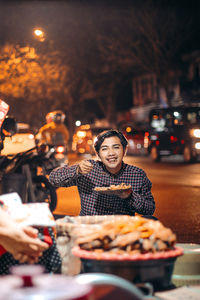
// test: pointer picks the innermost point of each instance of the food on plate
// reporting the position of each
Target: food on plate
(133, 235)
(112, 187)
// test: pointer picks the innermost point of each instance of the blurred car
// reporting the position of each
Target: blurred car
(82, 141)
(135, 137)
(84, 137)
(23, 140)
(174, 130)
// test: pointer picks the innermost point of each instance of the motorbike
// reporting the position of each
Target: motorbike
(60, 154)
(27, 174)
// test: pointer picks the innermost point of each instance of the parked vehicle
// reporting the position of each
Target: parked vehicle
(22, 140)
(26, 173)
(60, 155)
(135, 137)
(174, 130)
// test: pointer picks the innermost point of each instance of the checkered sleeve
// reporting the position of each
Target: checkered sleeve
(142, 200)
(64, 176)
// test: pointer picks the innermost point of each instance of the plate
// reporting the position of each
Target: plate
(111, 190)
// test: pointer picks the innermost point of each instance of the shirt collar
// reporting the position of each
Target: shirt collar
(113, 175)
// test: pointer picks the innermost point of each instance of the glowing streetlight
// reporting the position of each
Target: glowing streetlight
(39, 34)
(78, 123)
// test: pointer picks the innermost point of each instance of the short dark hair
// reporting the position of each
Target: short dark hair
(109, 133)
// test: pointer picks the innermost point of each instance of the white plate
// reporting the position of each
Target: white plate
(109, 191)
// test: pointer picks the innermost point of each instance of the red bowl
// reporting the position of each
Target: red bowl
(156, 268)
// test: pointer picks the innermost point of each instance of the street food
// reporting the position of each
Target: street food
(112, 188)
(133, 236)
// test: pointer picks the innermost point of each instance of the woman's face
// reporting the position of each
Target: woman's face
(111, 154)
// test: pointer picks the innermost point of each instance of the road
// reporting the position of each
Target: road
(176, 189)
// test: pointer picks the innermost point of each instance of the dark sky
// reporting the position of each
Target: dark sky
(72, 23)
(69, 19)
(57, 18)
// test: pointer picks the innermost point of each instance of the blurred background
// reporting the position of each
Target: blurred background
(130, 65)
(101, 62)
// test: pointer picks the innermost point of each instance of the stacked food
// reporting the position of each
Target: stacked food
(113, 187)
(129, 235)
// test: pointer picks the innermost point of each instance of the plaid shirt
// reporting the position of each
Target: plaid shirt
(94, 203)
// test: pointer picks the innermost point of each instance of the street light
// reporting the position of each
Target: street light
(78, 123)
(39, 34)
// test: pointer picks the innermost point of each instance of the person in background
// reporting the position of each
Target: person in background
(54, 132)
(110, 147)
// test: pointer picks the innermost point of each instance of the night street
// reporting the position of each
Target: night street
(98, 100)
(176, 191)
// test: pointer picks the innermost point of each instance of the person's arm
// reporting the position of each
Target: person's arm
(141, 202)
(22, 243)
(64, 176)
(67, 176)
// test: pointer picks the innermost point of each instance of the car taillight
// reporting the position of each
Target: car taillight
(173, 139)
(60, 149)
(146, 140)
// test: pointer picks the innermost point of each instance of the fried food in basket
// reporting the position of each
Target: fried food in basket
(135, 235)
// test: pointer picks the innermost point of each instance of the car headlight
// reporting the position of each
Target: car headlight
(81, 134)
(154, 137)
(197, 146)
(31, 136)
(195, 133)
